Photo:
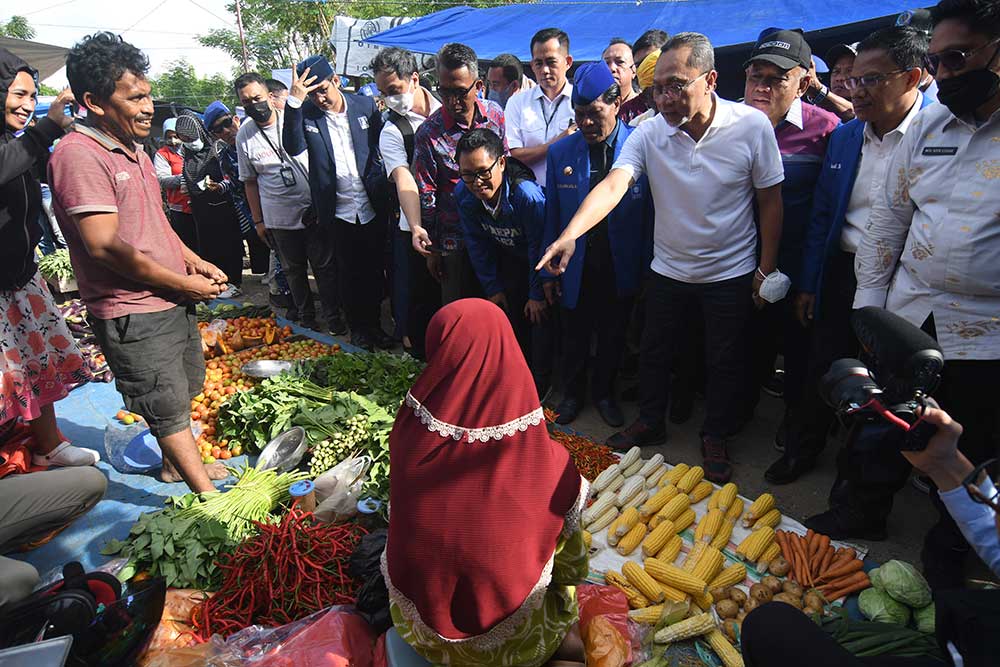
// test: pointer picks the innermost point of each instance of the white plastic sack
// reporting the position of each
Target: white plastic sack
(338, 489)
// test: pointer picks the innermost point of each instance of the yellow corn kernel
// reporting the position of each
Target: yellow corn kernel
(658, 538)
(671, 593)
(709, 564)
(603, 521)
(730, 576)
(668, 554)
(709, 525)
(721, 539)
(636, 600)
(658, 500)
(674, 507)
(701, 491)
(770, 553)
(632, 539)
(676, 473)
(692, 556)
(587, 539)
(771, 519)
(674, 577)
(647, 616)
(695, 626)
(626, 521)
(760, 507)
(755, 543)
(704, 601)
(727, 652)
(642, 582)
(690, 479)
(725, 496)
(735, 510)
(684, 521)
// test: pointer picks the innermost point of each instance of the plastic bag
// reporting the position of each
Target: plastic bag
(175, 629)
(604, 626)
(364, 565)
(338, 489)
(200, 655)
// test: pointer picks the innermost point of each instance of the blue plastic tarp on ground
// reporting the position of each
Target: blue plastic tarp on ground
(591, 25)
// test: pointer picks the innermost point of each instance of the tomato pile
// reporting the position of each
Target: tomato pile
(240, 333)
(224, 379)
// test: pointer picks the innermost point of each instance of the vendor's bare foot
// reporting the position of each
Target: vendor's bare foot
(215, 471)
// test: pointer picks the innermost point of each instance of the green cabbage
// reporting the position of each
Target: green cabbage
(905, 584)
(878, 606)
(875, 576)
(924, 619)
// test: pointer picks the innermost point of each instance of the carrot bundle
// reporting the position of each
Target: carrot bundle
(815, 562)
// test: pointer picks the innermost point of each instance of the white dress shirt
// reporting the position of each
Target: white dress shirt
(393, 148)
(933, 240)
(533, 119)
(869, 185)
(352, 200)
(703, 192)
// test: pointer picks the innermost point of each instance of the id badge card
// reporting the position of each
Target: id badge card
(287, 176)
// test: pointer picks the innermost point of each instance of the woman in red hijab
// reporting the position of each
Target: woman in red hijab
(485, 545)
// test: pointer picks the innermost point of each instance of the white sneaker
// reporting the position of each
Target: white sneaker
(67, 455)
(231, 292)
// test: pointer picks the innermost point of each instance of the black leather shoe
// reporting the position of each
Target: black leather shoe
(568, 410)
(337, 326)
(639, 434)
(363, 341)
(382, 340)
(610, 412)
(309, 324)
(716, 463)
(840, 523)
(630, 394)
(681, 406)
(787, 469)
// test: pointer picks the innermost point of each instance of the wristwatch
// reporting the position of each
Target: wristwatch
(819, 96)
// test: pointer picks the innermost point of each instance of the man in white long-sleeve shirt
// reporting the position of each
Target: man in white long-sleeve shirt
(931, 249)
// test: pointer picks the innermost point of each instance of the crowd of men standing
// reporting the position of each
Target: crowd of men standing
(633, 205)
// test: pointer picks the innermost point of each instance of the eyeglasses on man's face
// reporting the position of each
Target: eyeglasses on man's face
(675, 89)
(953, 60)
(457, 93)
(870, 80)
(483, 175)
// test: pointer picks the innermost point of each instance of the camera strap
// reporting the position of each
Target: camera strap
(279, 150)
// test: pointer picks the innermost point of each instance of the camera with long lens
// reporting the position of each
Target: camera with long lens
(904, 368)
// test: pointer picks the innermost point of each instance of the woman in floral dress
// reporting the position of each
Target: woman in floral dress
(39, 360)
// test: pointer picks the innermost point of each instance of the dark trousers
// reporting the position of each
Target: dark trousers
(775, 330)
(830, 338)
(460, 281)
(425, 300)
(537, 341)
(725, 307)
(402, 246)
(300, 249)
(360, 271)
(183, 226)
(602, 313)
(260, 254)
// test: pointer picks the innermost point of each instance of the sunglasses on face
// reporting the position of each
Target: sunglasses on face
(971, 484)
(953, 60)
(456, 93)
(483, 175)
(223, 124)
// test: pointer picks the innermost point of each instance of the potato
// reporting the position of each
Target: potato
(761, 593)
(732, 629)
(727, 608)
(751, 604)
(813, 600)
(740, 616)
(788, 598)
(738, 595)
(772, 583)
(792, 588)
(719, 594)
(779, 567)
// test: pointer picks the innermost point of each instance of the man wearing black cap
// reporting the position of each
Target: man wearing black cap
(836, 97)
(340, 133)
(598, 289)
(921, 21)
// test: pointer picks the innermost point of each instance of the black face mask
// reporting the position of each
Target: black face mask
(966, 92)
(260, 112)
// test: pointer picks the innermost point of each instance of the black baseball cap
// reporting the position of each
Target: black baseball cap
(918, 19)
(838, 51)
(785, 48)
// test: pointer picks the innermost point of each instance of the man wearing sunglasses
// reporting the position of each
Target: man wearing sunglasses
(931, 253)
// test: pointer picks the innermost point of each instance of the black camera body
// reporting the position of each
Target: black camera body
(905, 368)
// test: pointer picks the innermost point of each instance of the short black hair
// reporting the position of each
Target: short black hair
(906, 46)
(455, 56)
(481, 137)
(96, 63)
(651, 39)
(979, 16)
(394, 59)
(511, 65)
(618, 40)
(275, 86)
(545, 34)
(244, 80)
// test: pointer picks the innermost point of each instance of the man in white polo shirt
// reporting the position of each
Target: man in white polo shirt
(707, 160)
(540, 116)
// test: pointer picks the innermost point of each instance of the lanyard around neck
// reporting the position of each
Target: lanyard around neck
(548, 119)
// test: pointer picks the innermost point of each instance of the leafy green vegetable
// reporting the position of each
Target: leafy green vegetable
(57, 265)
(924, 618)
(905, 584)
(877, 606)
(383, 377)
(875, 577)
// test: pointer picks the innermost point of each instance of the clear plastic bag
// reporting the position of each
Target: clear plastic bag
(338, 489)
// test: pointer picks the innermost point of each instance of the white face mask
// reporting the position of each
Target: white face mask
(775, 287)
(401, 103)
(194, 146)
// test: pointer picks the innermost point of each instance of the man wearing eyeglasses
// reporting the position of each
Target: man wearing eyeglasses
(438, 235)
(708, 161)
(777, 77)
(931, 251)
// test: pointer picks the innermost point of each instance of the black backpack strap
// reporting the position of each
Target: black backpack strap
(402, 124)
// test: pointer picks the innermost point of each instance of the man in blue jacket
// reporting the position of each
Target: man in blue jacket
(340, 132)
(602, 278)
(884, 83)
(501, 210)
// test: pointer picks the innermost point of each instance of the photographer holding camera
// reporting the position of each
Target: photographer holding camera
(966, 620)
(930, 253)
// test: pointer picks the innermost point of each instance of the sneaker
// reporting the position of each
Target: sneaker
(639, 434)
(716, 462)
(775, 385)
(231, 292)
(280, 300)
(840, 523)
(337, 326)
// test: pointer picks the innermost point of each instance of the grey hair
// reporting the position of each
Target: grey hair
(702, 56)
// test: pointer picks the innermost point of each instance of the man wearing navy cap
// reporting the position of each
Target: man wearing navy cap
(598, 289)
(340, 131)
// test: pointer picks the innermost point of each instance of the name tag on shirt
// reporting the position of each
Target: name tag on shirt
(363, 122)
(940, 150)
(122, 176)
(311, 128)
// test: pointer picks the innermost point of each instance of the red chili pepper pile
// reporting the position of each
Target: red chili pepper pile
(590, 458)
(285, 572)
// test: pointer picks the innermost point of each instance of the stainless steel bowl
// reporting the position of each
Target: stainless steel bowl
(285, 451)
(265, 368)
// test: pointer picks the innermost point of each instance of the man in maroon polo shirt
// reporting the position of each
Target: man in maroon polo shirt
(139, 281)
